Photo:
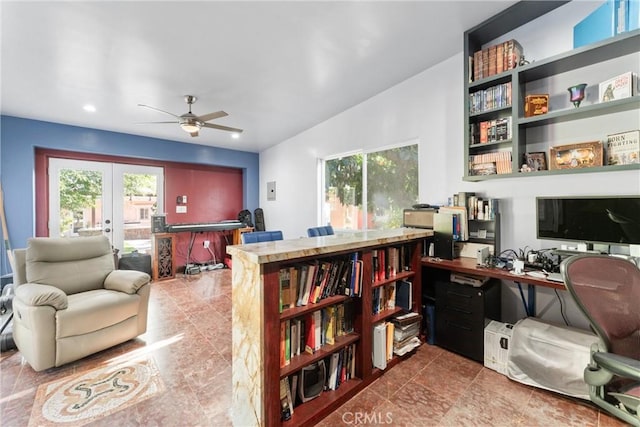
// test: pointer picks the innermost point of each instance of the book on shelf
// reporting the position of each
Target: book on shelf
(286, 300)
(482, 209)
(496, 58)
(286, 400)
(618, 87)
(494, 97)
(460, 221)
(623, 148)
(404, 294)
(329, 324)
(480, 164)
(390, 335)
(379, 347)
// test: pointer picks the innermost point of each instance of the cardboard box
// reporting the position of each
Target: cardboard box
(497, 339)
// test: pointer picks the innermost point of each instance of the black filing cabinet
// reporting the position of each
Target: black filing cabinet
(462, 311)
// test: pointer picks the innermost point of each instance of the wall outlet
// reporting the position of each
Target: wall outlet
(206, 243)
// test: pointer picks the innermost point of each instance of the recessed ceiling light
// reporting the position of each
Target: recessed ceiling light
(89, 108)
(235, 135)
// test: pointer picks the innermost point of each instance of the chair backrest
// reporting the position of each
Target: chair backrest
(73, 264)
(607, 290)
(261, 236)
(325, 230)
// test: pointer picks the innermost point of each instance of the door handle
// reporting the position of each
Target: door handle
(107, 230)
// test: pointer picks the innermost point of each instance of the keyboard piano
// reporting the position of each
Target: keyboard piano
(199, 227)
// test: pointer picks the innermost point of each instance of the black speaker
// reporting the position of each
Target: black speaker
(158, 223)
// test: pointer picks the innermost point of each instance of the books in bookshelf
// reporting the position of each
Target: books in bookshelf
(496, 58)
(623, 148)
(493, 97)
(286, 400)
(480, 164)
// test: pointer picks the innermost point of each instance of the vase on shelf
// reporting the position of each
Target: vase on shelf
(576, 94)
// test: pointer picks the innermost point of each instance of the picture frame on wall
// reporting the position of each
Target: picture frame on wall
(536, 161)
(576, 156)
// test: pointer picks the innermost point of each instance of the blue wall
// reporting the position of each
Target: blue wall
(20, 137)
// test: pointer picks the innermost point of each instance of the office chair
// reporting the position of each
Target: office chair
(607, 290)
(261, 236)
(320, 231)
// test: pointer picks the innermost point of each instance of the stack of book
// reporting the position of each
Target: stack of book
(496, 59)
(406, 330)
(497, 130)
(495, 162)
(498, 96)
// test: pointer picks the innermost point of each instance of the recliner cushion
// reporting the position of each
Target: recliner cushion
(93, 310)
(73, 264)
(34, 294)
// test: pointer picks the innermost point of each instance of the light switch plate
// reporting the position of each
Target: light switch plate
(271, 190)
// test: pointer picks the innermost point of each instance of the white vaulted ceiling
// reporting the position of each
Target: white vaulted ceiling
(276, 67)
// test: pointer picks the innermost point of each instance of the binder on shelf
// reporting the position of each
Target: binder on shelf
(379, 347)
(404, 294)
(443, 235)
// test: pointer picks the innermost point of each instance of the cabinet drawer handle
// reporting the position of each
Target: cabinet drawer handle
(466, 328)
(459, 310)
(458, 294)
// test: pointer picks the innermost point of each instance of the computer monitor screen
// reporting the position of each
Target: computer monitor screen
(613, 220)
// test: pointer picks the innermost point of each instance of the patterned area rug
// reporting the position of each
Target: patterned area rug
(87, 396)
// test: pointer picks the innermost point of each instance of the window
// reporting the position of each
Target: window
(385, 181)
(144, 213)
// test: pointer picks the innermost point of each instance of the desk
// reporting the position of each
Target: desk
(469, 266)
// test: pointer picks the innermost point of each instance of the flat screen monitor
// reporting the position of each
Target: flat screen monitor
(612, 220)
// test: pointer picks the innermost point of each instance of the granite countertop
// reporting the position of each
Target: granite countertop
(282, 250)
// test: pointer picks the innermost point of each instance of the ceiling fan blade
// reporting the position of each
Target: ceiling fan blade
(194, 134)
(211, 116)
(211, 125)
(157, 109)
(148, 123)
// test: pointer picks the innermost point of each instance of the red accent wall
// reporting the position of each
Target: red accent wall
(214, 193)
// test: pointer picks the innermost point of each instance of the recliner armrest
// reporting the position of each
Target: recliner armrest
(127, 281)
(36, 294)
(618, 365)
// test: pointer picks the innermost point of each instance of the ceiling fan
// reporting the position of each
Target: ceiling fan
(191, 123)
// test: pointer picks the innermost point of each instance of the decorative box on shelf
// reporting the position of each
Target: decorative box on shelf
(535, 105)
(576, 156)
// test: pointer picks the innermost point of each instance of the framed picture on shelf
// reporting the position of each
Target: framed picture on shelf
(576, 156)
(536, 161)
(623, 148)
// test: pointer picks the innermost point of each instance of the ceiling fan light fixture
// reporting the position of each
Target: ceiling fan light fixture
(190, 127)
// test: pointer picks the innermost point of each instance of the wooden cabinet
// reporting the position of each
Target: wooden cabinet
(164, 249)
(257, 320)
(590, 64)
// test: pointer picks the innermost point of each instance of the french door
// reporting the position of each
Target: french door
(113, 199)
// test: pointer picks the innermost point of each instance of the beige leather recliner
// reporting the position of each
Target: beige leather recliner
(71, 302)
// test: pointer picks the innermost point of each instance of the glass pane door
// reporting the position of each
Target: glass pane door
(138, 192)
(79, 198)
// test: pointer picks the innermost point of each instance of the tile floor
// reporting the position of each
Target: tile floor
(188, 336)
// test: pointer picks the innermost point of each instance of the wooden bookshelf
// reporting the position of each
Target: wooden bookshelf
(256, 321)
